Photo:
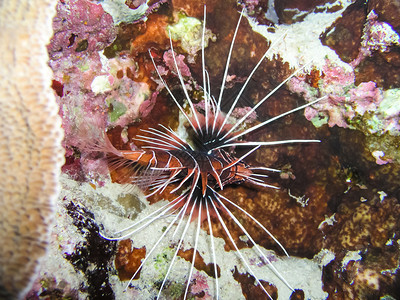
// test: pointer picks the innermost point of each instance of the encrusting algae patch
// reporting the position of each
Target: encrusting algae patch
(336, 210)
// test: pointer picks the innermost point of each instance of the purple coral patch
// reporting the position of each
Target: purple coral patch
(88, 24)
(345, 100)
(169, 61)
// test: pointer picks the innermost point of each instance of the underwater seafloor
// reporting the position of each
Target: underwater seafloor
(337, 210)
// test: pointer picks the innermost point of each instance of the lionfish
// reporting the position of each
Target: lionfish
(200, 167)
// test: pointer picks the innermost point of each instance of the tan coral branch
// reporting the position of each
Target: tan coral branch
(30, 142)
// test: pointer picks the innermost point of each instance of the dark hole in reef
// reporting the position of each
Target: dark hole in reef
(53, 294)
(328, 273)
(200, 295)
(71, 40)
(82, 46)
(58, 87)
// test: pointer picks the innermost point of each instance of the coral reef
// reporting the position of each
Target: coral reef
(359, 98)
(30, 143)
(337, 208)
(80, 26)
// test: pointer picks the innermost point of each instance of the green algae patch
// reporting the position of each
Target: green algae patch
(116, 109)
(188, 31)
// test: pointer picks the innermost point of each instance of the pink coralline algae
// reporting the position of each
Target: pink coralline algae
(92, 91)
(128, 97)
(200, 286)
(75, 61)
(80, 26)
(377, 36)
(240, 112)
(250, 5)
(148, 105)
(364, 107)
(169, 61)
(378, 156)
(345, 100)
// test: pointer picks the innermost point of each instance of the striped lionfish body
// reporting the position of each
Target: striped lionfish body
(199, 165)
(196, 170)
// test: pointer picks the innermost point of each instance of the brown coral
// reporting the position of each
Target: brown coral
(128, 260)
(30, 147)
(344, 36)
(368, 224)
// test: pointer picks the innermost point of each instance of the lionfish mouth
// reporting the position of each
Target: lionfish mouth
(197, 170)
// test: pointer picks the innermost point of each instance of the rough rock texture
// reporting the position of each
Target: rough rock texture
(358, 37)
(30, 142)
(290, 11)
(345, 39)
(388, 11)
